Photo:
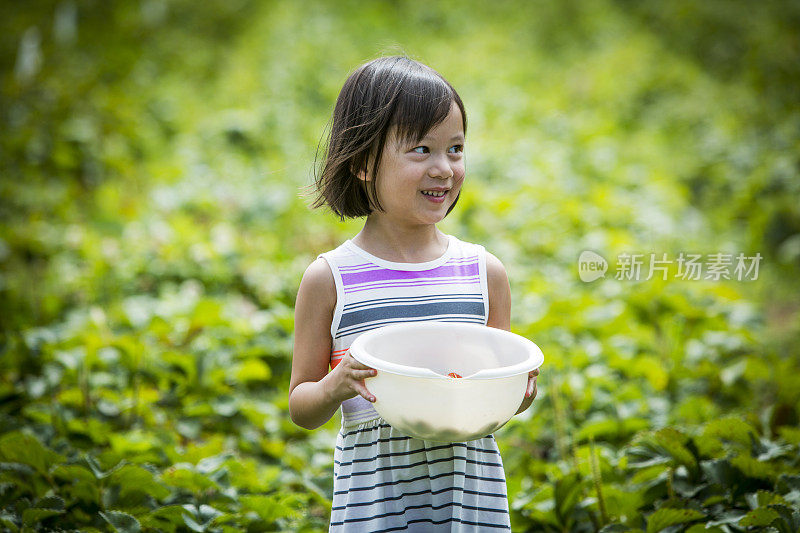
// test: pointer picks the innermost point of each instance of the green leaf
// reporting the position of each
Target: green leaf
(122, 522)
(666, 517)
(270, 507)
(7, 521)
(6, 487)
(51, 502)
(72, 473)
(208, 465)
(766, 450)
(132, 478)
(789, 518)
(753, 467)
(730, 428)
(763, 516)
(133, 443)
(645, 457)
(34, 515)
(703, 528)
(166, 518)
(225, 405)
(762, 498)
(98, 471)
(206, 513)
(721, 472)
(733, 372)
(619, 528)
(709, 446)
(206, 313)
(789, 487)
(18, 447)
(192, 524)
(94, 429)
(17, 468)
(611, 428)
(252, 370)
(567, 494)
(188, 428)
(673, 443)
(790, 434)
(787, 482)
(185, 477)
(716, 499)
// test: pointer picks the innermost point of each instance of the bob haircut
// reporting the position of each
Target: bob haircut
(381, 94)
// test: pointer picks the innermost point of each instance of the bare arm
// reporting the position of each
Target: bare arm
(314, 393)
(500, 313)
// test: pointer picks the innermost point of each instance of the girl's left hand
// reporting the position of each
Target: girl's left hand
(530, 391)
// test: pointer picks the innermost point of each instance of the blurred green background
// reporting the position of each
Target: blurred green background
(153, 236)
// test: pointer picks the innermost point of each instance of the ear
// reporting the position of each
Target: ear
(361, 174)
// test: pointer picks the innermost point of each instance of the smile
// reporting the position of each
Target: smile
(436, 197)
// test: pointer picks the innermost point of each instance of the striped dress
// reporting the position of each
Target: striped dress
(385, 480)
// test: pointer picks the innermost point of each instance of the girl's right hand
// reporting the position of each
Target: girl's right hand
(347, 379)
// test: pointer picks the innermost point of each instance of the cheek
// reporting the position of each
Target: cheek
(459, 172)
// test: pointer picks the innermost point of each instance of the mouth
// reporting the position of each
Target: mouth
(436, 197)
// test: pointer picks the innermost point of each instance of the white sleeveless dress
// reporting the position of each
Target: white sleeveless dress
(385, 480)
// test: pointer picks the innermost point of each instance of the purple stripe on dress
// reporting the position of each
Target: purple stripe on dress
(355, 408)
(473, 279)
(385, 274)
(464, 259)
(355, 267)
(362, 418)
(372, 266)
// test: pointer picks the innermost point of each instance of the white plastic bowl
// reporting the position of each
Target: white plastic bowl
(414, 393)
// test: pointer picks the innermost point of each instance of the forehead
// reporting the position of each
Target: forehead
(451, 127)
(452, 124)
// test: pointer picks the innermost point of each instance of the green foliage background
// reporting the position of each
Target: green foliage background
(153, 238)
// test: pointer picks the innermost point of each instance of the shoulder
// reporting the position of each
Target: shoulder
(495, 271)
(318, 280)
(318, 285)
(499, 293)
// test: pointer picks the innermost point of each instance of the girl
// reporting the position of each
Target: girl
(396, 156)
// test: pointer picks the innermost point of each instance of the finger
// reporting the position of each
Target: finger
(531, 390)
(368, 373)
(362, 390)
(355, 363)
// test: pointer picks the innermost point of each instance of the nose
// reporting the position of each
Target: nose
(440, 168)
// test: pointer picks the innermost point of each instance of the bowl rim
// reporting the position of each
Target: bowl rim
(534, 360)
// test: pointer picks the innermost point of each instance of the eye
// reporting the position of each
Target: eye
(458, 149)
(424, 149)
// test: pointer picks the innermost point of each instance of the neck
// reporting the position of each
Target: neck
(401, 244)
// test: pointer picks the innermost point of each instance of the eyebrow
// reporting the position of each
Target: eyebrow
(457, 137)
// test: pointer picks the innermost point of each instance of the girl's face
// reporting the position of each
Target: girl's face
(436, 163)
